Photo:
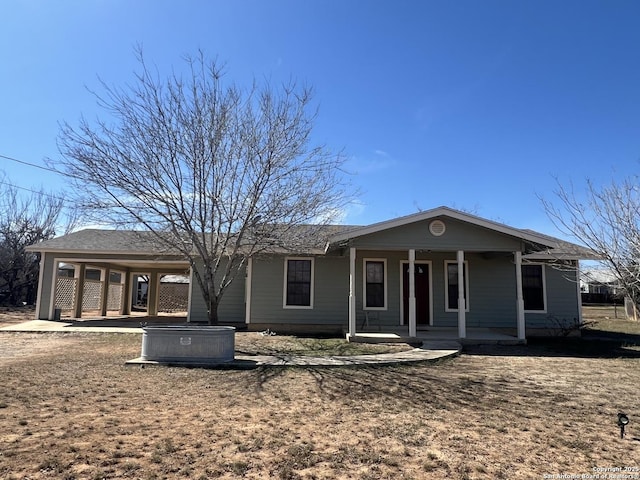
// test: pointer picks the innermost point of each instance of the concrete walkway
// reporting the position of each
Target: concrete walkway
(429, 351)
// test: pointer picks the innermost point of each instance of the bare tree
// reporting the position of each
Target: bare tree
(25, 219)
(217, 172)
(607, 220)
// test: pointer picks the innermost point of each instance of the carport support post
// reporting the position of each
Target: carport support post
(125, 307)
(153, 293)
(105, 274)
(352, 292)
(412, 293)
(78, 273)
(519, 297)
(462, 307)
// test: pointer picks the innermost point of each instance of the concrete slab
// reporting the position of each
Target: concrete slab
(36, 326)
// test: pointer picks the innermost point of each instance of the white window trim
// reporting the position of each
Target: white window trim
(284, 288)
(446, 285)
(405, 264)
(364, 283)
(544, 287)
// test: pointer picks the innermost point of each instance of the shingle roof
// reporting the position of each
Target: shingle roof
(104, 241)
(304, 238)
(561, 250)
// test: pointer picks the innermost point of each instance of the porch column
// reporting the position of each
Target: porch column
(105, 275)
(78, 273)
(152, 294)
(125, 305)
(352, 292)
(519, 297)
(412, 293)
(462, 320)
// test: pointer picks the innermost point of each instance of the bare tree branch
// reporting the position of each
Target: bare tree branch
(25, 220)
(204, 164)
(608, 222)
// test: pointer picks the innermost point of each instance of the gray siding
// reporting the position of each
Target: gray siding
(561, 300)
(492, 291)
(232, 305)
(458, 236)
(331, 291)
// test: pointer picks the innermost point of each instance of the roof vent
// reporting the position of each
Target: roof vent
(437, 228)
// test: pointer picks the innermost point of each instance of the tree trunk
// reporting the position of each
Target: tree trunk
(213, 311)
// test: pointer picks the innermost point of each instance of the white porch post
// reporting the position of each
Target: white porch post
(462, 320)
(519, 297)
(352, 292)
(78, 273)
(412, 293)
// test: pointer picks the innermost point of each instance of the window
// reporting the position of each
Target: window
(375, 288)
(451, 292)
(533, 287)
(298, 277)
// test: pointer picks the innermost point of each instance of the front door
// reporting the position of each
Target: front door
(422, 290)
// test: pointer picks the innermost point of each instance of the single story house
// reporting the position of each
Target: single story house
(440, 268)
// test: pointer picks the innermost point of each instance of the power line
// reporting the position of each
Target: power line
(30, 164)
(33, 191)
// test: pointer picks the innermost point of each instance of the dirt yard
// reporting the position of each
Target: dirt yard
(70, 409)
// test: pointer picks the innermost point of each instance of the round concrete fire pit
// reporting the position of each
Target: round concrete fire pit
(188, 344)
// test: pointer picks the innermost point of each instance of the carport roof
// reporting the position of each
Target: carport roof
(105, 242)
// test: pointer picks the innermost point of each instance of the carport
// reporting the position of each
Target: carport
(95, 273)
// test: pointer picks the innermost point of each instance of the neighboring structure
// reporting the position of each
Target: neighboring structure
(437, 268)
(600, 286)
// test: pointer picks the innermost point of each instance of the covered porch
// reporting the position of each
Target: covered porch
(435, 307)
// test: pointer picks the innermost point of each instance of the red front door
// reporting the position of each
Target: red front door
(422, 293)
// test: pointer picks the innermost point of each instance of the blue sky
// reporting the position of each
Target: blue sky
(477, 105)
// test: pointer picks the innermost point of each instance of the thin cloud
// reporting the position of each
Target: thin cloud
(380, 160)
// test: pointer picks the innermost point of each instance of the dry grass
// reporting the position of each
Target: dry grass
(70, 409)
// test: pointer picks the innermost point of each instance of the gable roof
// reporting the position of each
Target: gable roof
(439, 212)
(549, 246)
